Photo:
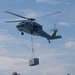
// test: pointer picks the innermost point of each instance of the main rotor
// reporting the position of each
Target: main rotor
(28, 19)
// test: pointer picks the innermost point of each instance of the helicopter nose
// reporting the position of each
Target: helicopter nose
(18, 26)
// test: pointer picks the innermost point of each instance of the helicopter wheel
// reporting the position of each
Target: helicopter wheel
(31, 32)
(22, 33)
(49, 41)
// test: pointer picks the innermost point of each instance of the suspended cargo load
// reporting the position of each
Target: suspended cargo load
(33, 61)
(15, 73)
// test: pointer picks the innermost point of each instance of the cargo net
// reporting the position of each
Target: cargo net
(33, 59)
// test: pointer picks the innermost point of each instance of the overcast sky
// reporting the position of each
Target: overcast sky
(57, 57)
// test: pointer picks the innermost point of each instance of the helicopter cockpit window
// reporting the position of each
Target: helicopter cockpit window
(23, 23)
(26, 23)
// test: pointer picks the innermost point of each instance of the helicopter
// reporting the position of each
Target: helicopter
(29, 26)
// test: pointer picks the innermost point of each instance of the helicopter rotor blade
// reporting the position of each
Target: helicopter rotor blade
(14, 21)
(32, 19)
(16, 14)
(54, 26)
(51, 14)
(54, 29)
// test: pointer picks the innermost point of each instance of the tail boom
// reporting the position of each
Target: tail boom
(56, 37)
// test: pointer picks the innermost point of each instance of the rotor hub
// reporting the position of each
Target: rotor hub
(31, 19)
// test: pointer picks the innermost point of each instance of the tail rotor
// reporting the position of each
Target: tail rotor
(54, 29)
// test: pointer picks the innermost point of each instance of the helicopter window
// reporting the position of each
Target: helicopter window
(40, 27)
(26, 23)
(23, 22)
(35, 28)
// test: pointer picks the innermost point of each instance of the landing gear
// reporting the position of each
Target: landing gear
(22, 33)
(49, 41)
(32, 32)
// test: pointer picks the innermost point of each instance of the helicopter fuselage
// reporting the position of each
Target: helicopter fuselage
(32, 28)
(35, 29)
